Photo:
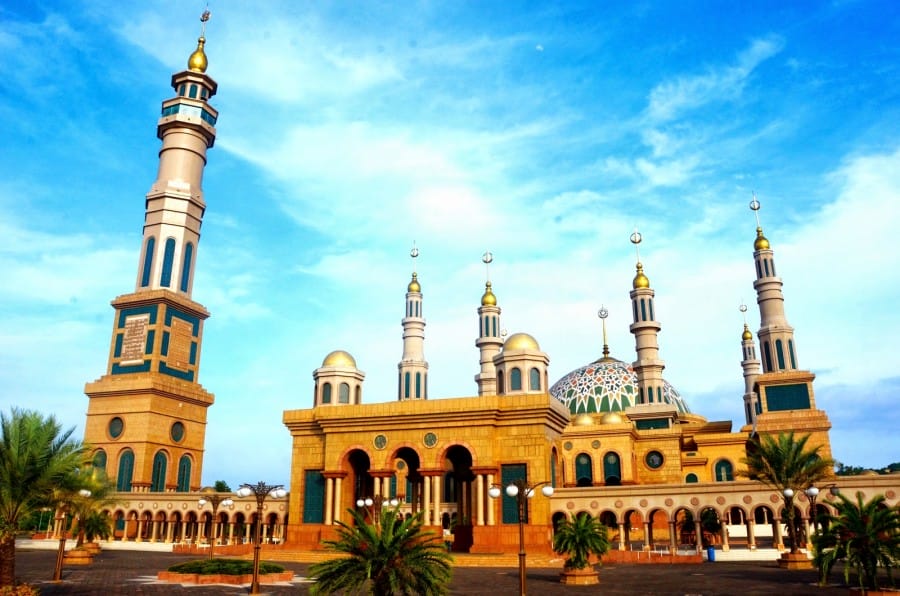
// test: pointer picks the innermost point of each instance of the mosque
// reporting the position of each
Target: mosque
(612, 438)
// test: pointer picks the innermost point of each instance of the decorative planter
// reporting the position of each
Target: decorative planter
(78, 556)
(195, 578)
(91, 547)
(579, 577)
(795, 561)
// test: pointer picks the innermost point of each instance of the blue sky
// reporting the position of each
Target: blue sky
(543, 133)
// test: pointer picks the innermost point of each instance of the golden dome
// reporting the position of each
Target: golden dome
(612, 418)
(339, 358)
(746, 335)
(583, 420)
(640, 280)
(197, 61)
(762, 243)
(521, 341)
(488, 299)
(414, 285)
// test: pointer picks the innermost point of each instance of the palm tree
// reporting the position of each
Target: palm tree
(784, 462)
(96, 492)
(36, 459)
(393, 556)
(865, 535)
(579, 538)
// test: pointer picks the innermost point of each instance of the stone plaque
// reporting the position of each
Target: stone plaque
(181, 336)
(134, 340)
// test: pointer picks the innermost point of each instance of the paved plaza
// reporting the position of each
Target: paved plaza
(134, 572)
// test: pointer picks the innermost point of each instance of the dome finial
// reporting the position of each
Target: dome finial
(603, 313)
(414, 285)
(640, 280)
(197, 61)
(761, 242)
(488, 299)
(746, 335)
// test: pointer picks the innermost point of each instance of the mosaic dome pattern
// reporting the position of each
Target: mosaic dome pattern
(606, 385)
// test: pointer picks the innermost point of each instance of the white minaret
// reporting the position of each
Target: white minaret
(750, 364)
(489, 339)
(413, 370)
(648, 367)
(776, 336)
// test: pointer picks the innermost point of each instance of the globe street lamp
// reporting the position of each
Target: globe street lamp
(214, 498)
(521, 491)
(812, 493)
(789, 514)
(261, 490)
(374, 505)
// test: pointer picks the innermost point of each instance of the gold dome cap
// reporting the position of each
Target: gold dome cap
(612, 418)
(197, 62)
(640, 280)
(339, 358)
(488, 299)
(521, 341)
(583, 420)
(746, 335)
(414, 284)
(761, 243)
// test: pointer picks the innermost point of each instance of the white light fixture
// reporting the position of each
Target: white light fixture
(244, 491)
(812, 491)
(394, 502)
(788, 492)
(369, 502)
(494, 492)
(512, 490)
(360, 502)
(547, 490)
(201, 502)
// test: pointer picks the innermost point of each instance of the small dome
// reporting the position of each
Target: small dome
(746, 335)
(414, 285)
(640, 280)
(612, 418)
(197, 62)
(583, 420)
(339, 358)
(521, 341)
(488, 299)
(762, 243)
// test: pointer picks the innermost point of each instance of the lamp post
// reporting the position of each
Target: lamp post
(812, 492)
(521, 491)
(214, 498)
(61, 551)
(789, 513)
(261, 490)
(374, 505)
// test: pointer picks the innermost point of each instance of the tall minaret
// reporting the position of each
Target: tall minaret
(489, 341)
(146, 419)
(413, 376)
(648, 367)
(750, 364)
(776, 336)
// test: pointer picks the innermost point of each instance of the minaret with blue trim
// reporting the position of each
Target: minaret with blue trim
(413, 370)
(489, 341)
(146, 419)
(648, 366)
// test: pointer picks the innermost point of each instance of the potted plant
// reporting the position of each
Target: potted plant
(95, 525)
(578, 539)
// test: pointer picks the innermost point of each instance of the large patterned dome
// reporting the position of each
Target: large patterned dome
(606, 385)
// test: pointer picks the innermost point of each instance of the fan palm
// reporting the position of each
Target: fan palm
(865, 535)
(394, 556)
(36, 459)
(579, 538)
(783, 462)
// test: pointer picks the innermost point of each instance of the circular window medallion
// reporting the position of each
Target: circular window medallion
(567, 445)
(401, 465)
(430, 439)
(380, 441)
(116, 426)
(611, 459)
(654, 460)
(595, 444)
(177, 432)
(583, 459)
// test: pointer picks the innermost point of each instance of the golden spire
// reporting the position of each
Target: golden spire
(488, 299)
(761, 243)
(746, 335)
(414, 284)
(197, 62)
(640, 280)
(603, 313)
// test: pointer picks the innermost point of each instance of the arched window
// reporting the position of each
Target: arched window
(643, 310)
(612, 469)
(724, 471)
(99, 461)
(584, 470)
(184, 474)
(791, 354)
(691, 478)
(779, 353)
(418, 385)
(158, 476)
(534, 379)
(165, 279)
(651, 308)
(358, 395)
(500, 381)
(767, 357)
(515, 379)
(193, 91)
(344, 395)
(126, 471)
(326, 393)
(148, 261)
(186, 267)
(406, 385)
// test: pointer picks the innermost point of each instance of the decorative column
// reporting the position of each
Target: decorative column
(622, 533)
(751, 533)
(673, 537)
(479, 500)
(184, 530)
(698, 532)
(490, 506)
(437, 500)
(426, 505)
(647, 536)
(338, 510)
(329, 501)
(170, 532)
(724, 532)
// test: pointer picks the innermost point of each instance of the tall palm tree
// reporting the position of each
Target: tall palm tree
(865, 535)
(391, 557)
(579, 538)
(783, 462)
(36, 459)
(99, 493)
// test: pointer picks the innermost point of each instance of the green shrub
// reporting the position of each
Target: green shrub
(224, 567)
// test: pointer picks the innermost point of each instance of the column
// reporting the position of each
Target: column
(622, 533)
(698, 532)
(247, 532)
(777, 534)
(673, 537)
(491, 502)
(426, 505)
(154, 528)
(329, 502)
(338, 509)
(647, 537)
(170, 532)
(751, 533)
(725, 545)
(479, 499)
(377, 487)
(230, 539)
(184, 534)
(437, 500)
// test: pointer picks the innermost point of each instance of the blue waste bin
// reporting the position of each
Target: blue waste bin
(711, 554)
